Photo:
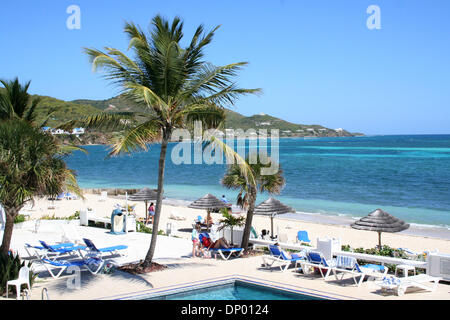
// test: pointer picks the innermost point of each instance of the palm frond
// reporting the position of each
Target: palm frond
(136, 139)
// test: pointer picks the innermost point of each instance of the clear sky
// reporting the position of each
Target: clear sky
(316, 61)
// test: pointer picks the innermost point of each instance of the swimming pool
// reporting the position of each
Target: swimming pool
(234, 290)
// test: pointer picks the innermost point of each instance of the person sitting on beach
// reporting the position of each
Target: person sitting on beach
(151, 213)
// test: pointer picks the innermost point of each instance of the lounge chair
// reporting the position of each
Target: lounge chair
(302, 236)
(100, 251)
(103, 196)
(315, 259)
(61, 196)
(349, 265)
(277, 255)
(58, 251)
(176, 216)
(40, 251)
(227, 253)
(64, 265)
(400, 285)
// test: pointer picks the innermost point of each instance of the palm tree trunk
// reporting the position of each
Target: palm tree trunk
(9, 226)
(249, 219)
(160, 192)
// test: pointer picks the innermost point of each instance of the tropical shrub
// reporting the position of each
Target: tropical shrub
(10, 265)
(19, 218)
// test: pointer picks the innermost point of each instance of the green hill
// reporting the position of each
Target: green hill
(235, 120)
(68, 110)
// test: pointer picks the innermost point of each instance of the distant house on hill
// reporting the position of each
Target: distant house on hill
(78, 131)
(58, 131)
(339, 130)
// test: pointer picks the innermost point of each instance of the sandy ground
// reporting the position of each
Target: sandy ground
(290, 227)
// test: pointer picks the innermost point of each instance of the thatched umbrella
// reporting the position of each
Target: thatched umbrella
(271, 207)
(208, 203)
(380, 221)
(146, 195)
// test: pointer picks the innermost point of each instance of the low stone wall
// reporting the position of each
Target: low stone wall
(111, 191)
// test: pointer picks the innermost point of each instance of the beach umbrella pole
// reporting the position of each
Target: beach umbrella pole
(271, 226)
(379, 240)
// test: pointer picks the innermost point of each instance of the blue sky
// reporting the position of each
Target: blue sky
(316, 61)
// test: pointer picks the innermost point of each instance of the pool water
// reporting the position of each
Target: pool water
(237, 290)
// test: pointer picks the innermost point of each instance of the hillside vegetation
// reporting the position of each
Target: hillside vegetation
(68, 110)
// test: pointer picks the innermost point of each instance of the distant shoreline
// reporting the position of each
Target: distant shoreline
(420, 230)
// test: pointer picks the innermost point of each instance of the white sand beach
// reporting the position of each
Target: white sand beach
(349, 236)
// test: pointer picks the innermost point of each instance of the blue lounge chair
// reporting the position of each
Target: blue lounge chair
(96, 263)
(71, 250)
(99, 251)
(61, 196)
(302, 236)
(38, 249)
(277, 255)
(316, 259)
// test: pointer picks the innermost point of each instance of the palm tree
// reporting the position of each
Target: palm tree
(235, 178)
(16, 103)
(31, 164)
(230, 221)
(172, 84)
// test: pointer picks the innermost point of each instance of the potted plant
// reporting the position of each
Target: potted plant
(231, 221)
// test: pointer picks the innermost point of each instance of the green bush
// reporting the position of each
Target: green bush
(19, 218)
(10, 265)
(141, 227)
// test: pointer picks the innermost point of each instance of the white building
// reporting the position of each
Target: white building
(78, 131)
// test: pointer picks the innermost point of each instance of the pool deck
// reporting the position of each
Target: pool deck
(184, 271)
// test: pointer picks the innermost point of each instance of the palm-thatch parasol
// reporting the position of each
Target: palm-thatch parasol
(208, 203)
(271, 207)
(380, 221)
(145, 194)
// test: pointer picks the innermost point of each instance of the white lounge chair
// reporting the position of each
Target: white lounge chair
(176, 216)
(400, 285)
(103, 196)
(349, 265)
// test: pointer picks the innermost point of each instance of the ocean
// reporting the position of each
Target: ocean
(331, 179)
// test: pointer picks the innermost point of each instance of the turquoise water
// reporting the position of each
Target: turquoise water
(408, 176)
(237, 291)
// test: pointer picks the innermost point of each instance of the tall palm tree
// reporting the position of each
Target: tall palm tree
(235, 178)
(173, 85)
(31, 164)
